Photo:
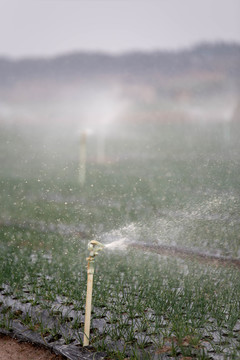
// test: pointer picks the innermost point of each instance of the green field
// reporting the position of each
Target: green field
(168, 184)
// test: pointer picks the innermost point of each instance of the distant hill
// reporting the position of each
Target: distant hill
(223, 59)
(202, 82)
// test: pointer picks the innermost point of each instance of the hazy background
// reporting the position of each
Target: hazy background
(143, 59)
(108, 68)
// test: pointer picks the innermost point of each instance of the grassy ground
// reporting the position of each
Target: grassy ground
(161, 183)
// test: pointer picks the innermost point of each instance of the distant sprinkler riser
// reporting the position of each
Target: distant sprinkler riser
(82, 158)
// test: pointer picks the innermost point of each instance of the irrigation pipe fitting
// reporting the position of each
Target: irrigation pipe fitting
(94, 247)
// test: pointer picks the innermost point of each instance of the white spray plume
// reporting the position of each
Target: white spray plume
(117, 244)
(119, 239)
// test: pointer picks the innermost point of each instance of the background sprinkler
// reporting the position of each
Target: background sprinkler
(82, 158)
(93, 246)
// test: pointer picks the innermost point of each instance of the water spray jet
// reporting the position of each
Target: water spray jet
(94, 247)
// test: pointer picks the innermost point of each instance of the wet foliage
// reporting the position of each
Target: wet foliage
(165, 184)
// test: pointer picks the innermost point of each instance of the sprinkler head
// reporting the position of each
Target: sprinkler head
(94, 246)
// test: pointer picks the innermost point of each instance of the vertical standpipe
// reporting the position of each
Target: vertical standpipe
(82, 158)
(94, 246)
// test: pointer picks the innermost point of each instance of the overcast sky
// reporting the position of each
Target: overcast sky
(49, 27)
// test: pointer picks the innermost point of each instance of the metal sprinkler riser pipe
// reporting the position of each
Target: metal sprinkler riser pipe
(94, 247)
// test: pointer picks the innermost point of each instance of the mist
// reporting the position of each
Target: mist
(138, 150)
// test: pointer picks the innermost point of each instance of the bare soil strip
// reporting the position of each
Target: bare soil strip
(13, 349)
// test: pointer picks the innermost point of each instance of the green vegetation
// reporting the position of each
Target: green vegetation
(161, 183)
